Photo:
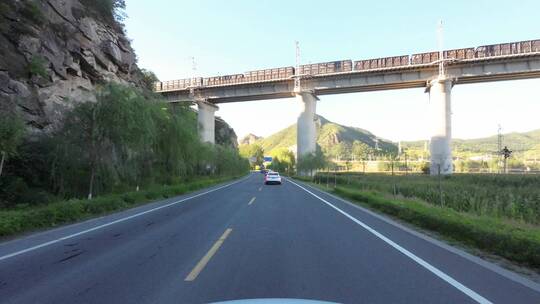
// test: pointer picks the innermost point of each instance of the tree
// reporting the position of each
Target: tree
(11, 134)
(283, 160)
(341, 151)
(254, 153)
(361, 151)
(112, 11)
(125, 139)
(228, 161)
(177, 149)
(110, 132)
(392, 156)
(310, 162)
(149, 79)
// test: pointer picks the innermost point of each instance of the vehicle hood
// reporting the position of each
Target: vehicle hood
(274, 301)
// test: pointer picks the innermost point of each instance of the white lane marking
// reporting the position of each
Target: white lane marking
(5, 257)
(478, 298)
(495, 268)
(251, 201)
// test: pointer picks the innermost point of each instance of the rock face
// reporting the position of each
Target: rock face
(53, 53)
(249, 139)
(225, 135)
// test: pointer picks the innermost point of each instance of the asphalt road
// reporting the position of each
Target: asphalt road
(246, 240)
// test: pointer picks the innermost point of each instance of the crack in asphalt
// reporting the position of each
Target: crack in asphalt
(70, 257)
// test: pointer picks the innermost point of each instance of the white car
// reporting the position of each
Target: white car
(272, 178)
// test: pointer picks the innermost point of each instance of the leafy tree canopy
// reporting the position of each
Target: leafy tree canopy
(12, 130)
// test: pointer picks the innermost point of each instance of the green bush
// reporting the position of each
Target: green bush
(108, 10)
(133, 197)
(152, 194)
(32, 11)
(4, 9)
(124, 140)
(16, 221)
(38, 66)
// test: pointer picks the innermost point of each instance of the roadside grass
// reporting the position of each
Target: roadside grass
(515, 241)
(504, 196)
(17, 221)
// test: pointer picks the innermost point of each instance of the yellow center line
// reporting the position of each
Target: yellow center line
(251, 201)
(206, 258)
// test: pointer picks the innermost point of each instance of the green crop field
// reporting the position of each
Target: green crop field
(512, 197)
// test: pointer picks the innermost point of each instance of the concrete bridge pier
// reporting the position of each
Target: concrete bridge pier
(441, 125)
(206, 121)
(306, 133)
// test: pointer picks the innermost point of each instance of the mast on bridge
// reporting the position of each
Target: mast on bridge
(440, 45)
(297, 86)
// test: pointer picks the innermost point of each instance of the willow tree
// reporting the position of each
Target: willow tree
(110, 134)
(11, 134)
(177, 146)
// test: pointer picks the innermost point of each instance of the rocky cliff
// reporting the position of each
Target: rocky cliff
(53, 53)
(225, 135)
(249, 139)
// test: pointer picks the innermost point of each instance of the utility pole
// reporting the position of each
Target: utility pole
(406, 165)
(297, 85)
(364, 166)
(327, 175)
(335, 178)
(193, 79)
(393, 177)
(441, 202)
(499, 147)
(441, 52)
(506, 154)
(2, 161)
(392, 164)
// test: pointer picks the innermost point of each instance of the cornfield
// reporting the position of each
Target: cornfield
(515, 197)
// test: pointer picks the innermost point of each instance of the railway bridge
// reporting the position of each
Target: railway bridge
(508, 61)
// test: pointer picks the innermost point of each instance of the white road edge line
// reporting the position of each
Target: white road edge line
(489, 266)
(472, 294)
(5, 257)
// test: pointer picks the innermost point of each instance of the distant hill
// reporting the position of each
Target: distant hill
(518, 142)
(330, 135)
(249, 139)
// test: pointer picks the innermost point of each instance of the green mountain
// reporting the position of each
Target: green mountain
(518, 142)
(336, 141)
(331, 138)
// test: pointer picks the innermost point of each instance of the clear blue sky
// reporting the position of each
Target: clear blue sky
(228, 37)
